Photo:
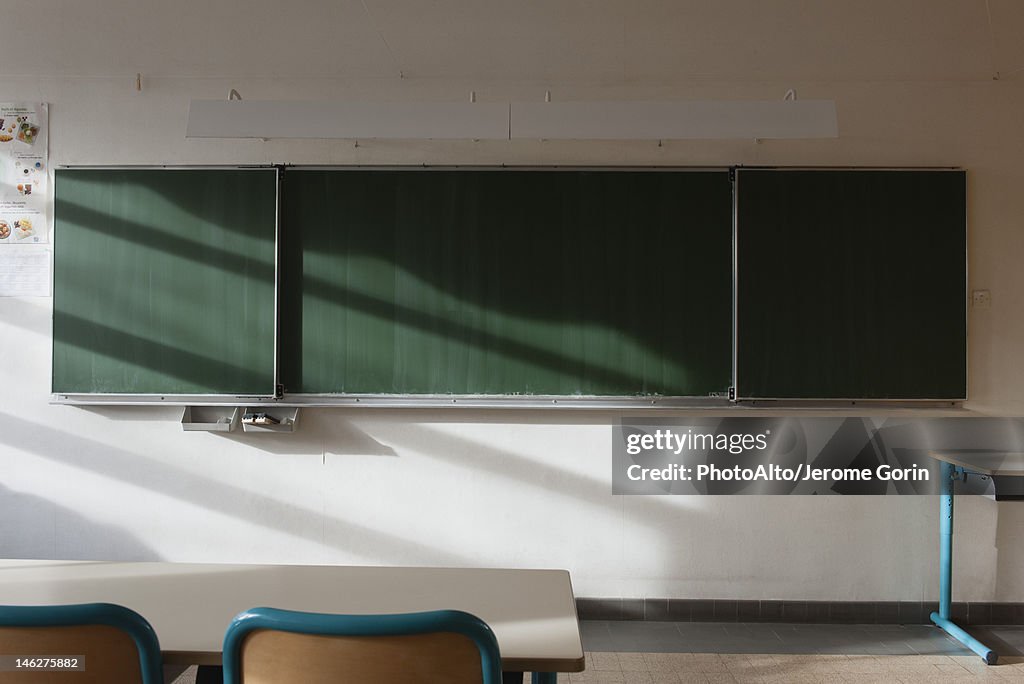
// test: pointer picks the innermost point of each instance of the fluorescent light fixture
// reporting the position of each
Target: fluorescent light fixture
(702, 119)
(360, 120)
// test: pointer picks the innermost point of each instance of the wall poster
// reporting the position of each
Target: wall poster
(23, 173)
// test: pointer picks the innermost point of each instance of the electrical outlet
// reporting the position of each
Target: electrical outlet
(981, 299)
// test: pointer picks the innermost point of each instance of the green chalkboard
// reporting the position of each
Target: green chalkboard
(506, 282)
(851, 284)
(164, 281)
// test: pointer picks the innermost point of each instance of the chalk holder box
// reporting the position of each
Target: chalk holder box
(210, 418)
(288, 419)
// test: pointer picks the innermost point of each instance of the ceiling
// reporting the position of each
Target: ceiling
(553, 41)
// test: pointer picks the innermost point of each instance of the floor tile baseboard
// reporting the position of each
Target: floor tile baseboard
(836, 612)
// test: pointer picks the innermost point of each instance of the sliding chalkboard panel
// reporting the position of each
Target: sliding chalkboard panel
(164, 281)
(851, 284)
(506, 282)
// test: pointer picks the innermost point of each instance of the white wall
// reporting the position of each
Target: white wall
(493, 488)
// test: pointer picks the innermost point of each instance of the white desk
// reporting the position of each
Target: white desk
(1010, 464)
(532, 612)
(960, 464)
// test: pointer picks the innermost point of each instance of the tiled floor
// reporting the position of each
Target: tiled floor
(706, 652)
(708, 668)
(783, 638)
(643, 652)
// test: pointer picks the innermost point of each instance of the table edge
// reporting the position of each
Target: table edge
(507, 664)
(951, 457)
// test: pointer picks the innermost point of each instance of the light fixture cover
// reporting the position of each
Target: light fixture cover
(622, 120)
(359, 120)
(707, 119)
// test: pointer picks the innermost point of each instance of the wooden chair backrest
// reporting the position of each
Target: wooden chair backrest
(279, 657)
(111, 655)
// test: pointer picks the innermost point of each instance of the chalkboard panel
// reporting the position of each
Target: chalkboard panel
(851, 284)
(164, 281)
(506, 282)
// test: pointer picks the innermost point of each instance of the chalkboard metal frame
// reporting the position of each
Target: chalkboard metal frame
(491, 401)
(115, 399)
(525, 401)
(819, 402)
(495, 401)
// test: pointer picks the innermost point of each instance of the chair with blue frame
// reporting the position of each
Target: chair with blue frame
(114, 643)
(265, 645)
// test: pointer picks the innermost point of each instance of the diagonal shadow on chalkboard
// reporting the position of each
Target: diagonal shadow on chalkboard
(79, 332)
(196, 369)
(465, 334)
(145, 236)
(629, 349)
(194, 251)
(617, 271)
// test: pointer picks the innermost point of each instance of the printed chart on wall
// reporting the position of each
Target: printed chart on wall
(23, 173)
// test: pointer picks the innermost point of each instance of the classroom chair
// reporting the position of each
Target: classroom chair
(116, 643)
(267, 645)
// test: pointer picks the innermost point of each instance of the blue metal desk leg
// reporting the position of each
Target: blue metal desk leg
(949, 473)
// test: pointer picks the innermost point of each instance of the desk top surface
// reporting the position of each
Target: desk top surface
(1009, 463)
(532, 612)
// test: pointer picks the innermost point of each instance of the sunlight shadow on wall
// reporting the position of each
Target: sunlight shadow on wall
(293, 519)
(21, 534)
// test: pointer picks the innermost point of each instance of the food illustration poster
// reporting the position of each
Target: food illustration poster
(24, 174)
